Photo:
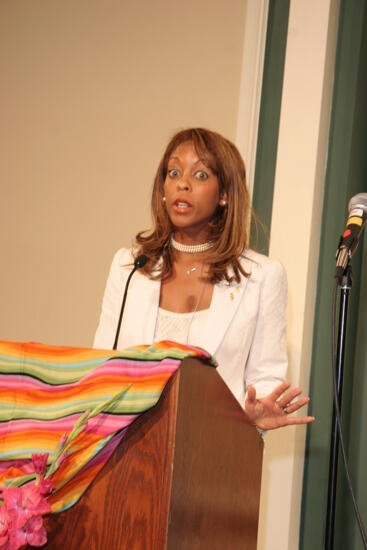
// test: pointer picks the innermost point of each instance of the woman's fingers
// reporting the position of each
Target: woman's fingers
(279, 390)
(284, 399)
(288, 397)
(293, 407)
(299, 420)
(251, 394)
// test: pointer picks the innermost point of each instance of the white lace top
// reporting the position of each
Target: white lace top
(185, 328)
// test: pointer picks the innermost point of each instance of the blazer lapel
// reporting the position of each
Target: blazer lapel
(225, 302)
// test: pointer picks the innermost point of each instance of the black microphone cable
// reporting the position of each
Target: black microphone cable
(338, 418)
(139, 262)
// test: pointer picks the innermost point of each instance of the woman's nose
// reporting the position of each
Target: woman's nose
(184, 183)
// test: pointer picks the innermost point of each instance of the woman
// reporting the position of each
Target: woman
(201, 284)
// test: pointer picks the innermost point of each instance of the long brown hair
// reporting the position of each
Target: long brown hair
(229, 227)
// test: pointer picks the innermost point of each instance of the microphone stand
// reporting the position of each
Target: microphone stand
(345, 286)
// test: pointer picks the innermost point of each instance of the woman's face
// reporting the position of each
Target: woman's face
(192, 193)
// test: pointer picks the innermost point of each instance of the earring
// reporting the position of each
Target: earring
(222, 202)
(164, 199)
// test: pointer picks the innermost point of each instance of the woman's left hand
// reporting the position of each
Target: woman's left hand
(273, 411)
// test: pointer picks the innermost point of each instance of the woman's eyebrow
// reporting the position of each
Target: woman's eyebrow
(199, 161)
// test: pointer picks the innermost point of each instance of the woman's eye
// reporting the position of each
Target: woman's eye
(173, 173)
(201, 175)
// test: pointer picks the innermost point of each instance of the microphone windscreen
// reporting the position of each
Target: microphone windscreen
(358, 201)
(140, 261)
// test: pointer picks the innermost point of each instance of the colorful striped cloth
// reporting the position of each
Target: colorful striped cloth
(45, 389)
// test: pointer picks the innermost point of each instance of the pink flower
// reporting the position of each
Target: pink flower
(17, 539)
(12, 497)
(33, 500)
(21, 515)
(32, 532)
(45, 486)
(36, 533)
(22, 503)
(40, 462)
(62, 458)
(4, 526)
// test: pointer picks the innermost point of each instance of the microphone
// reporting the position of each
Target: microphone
(139, 262)
(357, 215)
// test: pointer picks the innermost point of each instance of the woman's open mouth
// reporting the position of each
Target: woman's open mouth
(181, 205)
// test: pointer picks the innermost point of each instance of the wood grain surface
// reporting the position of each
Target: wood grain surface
(217, 468)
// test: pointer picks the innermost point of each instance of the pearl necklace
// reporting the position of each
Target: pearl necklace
(191, 248)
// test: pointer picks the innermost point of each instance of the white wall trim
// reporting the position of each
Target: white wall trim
(256, 19)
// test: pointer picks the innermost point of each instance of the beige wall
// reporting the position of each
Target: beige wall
(90, 93)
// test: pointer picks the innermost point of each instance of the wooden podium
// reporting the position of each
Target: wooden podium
(186, 476)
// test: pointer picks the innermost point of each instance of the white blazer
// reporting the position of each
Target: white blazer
(245, 330)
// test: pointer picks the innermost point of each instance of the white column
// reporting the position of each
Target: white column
(295, 235)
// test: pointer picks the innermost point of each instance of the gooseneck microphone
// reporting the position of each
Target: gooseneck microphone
(357, 215)
(139, 262)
